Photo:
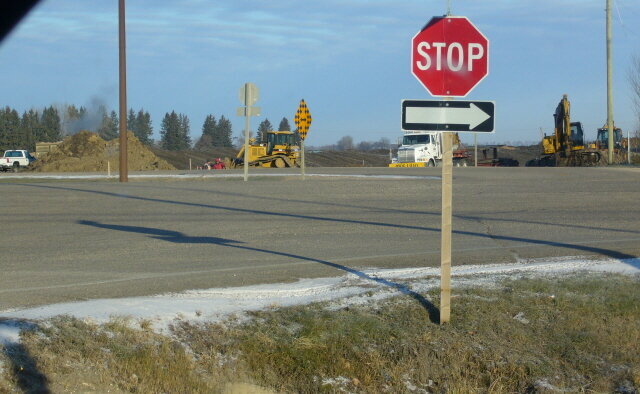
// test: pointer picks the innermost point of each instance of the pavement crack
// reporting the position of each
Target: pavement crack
(488, 229)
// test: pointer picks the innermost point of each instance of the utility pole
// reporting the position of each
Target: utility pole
(609, 85)
(124, 170)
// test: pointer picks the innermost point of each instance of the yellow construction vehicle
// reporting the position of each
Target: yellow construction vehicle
(620, 144)
(280, 150)
(566, 146)
(602, 139)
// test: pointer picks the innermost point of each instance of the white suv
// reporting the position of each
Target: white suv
(14, 159)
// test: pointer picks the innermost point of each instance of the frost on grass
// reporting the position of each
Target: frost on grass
(379, 343)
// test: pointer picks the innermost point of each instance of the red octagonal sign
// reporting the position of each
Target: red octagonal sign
(450, 56)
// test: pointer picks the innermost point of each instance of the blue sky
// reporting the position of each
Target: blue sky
(349, 60)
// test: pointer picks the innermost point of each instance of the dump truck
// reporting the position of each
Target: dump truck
(566, 146)
(424, 149)
(280, 150)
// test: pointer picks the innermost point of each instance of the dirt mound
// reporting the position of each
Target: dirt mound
(87, 152)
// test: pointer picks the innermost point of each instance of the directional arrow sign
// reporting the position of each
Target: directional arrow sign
(454, 116)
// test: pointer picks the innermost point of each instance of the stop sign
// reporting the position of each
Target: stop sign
(450, 56)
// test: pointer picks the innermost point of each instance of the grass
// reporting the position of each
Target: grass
(579, 333)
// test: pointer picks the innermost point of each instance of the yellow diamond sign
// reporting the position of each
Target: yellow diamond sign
(303, 119)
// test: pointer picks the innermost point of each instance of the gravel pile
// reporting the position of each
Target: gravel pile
(87, 152)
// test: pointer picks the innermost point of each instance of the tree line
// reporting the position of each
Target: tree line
(53, 123)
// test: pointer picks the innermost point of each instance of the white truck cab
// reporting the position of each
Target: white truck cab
(15, 159)
(424, 149)
(421, 148)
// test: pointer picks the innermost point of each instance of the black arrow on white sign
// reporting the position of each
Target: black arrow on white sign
(454, 116)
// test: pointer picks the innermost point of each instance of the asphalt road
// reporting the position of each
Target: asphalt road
(65, 240)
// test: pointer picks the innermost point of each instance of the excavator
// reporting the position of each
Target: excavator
(566, 146)
(280, 150)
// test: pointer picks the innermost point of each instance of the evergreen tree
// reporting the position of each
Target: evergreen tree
(223, 133)
(10, 131)
(169, 131)
(209, 128)
(132, 121)
(109, 129)
(284, 125)
(264, 127)
(174, 132)
(143, 130)
(51, 124)
(32, 129)
(185, 132)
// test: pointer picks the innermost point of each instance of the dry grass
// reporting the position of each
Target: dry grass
(577, 334)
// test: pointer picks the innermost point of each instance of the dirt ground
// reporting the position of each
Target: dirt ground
(350, 158)
(180, 159)
(87, 152)
(521, 154)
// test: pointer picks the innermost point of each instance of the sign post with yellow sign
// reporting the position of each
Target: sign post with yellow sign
(303, 122)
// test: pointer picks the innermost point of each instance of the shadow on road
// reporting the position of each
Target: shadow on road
(180, 238)
(395, 210)
(572, 246)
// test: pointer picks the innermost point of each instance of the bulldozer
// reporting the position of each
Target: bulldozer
(566, 146)
(280, 150)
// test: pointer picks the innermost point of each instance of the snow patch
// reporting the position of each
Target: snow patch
(10, 331)
(370, 285)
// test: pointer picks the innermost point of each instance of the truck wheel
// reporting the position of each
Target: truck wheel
(431, 163)
(16, 167)
(279, 163)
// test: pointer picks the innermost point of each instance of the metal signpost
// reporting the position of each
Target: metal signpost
(302, 119)
(248, 96)
(449, 57)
